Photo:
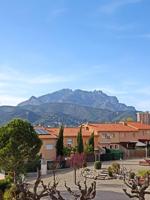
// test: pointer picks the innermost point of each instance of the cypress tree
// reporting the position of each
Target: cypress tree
(91, 140)
(80, 147)
(60, 142)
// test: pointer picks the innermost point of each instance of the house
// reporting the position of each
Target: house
(129, 137)
(124, 136)
(111, 135)
(49, 138)
(143, 117)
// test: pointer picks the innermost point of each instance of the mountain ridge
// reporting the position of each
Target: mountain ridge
(68, 107)
(95, 98)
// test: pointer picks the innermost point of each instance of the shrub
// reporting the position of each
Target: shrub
(131, 175)
(33, 165)
(84, 164)
(6, 183)
(88, 149)
(10, 193)
(67, 151)
(143, 173)
(97, 165)
(110, 171)
(116, 167)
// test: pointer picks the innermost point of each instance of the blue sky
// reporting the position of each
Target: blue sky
(47, 45)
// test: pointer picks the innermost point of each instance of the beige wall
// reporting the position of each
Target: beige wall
(110, 138)
(48, 154)
(74, 140)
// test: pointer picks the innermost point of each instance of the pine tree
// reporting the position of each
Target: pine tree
(60, 142)
(80, 147)
(19, 144)
(91, 140)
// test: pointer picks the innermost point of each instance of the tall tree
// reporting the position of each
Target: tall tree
(80, 147)
(91, 141)
(19, 143)
(60, 142)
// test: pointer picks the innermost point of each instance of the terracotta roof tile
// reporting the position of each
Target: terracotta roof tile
(138, 125)
(112, 128)
(68, 132)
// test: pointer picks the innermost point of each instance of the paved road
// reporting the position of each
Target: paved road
(101, 195)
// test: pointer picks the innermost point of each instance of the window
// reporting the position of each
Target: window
(69, 141)
(103, 135)
(107, 135)
(49, 146)
(116, 146)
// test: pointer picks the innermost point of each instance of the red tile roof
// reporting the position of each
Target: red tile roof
(68, 132)
(138, 125)
(48, 136)
(112, 128)
(71, 132)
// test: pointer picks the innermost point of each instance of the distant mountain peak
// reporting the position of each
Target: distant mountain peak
(32, 98)
(95, 99)
(32, 101)
(69, 107)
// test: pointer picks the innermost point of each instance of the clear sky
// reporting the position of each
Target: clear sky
(47, 45)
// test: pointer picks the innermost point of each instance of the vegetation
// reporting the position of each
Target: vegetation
(6, 183)
(77, 161)
(80, 147)
(67, 151)
(88, 149)
(60, 142)
(143, 172)
(115, 167)
(24, 191)
(132, 175)
(91, 141)
(33, 165)
(97, 165)
(19, 144)
(137, 188)
(110, 171)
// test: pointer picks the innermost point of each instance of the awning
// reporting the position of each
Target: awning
(140, 144)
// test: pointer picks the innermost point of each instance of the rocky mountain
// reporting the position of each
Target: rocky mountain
(68, 107)
(95, 99)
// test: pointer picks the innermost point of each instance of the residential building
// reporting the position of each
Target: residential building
(143, 117)
(126, 136)
(49, 137)
(123, 135)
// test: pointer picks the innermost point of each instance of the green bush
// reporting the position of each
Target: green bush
(67, 151)
(33, 165)
(5, 184)
(131, 175)
(97, 165)
(9, 194)
(143, 172)
(110, 171)
(88, 149)
(116, 167)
